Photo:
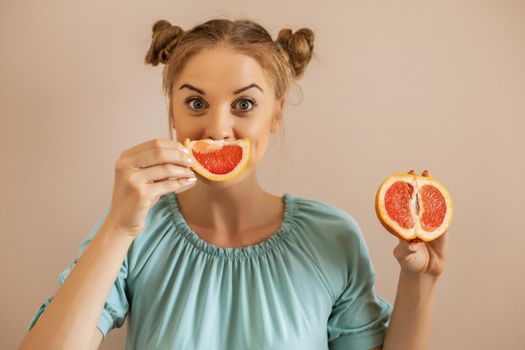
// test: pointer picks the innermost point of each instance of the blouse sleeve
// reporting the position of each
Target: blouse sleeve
(116, 305)
(360, 316)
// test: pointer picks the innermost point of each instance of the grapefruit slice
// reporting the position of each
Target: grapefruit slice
(413, 207)
(218, 160)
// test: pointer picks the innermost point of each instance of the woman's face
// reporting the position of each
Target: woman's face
(224, 95)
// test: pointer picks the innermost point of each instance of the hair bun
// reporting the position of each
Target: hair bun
(299, 46)
(160, 25)
(164, 40)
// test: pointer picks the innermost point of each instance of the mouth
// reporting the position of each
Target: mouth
(219, 160)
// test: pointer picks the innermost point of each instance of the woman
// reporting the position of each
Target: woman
(198, 264)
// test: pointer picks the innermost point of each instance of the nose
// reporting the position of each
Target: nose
(220, 125)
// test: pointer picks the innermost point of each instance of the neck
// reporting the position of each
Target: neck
(223, 207)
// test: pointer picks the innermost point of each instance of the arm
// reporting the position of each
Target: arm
(410, 322)
(97, 339)
(70, 320)
(421, 265)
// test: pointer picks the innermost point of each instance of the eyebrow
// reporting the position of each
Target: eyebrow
(235, 92)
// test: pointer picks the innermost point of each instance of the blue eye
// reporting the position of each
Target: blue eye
(244, 105)
(198, 105)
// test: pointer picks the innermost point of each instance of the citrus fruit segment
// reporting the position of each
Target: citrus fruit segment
(413, 207)
(218, 160)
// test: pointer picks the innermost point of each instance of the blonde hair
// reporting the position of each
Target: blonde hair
(284, 60)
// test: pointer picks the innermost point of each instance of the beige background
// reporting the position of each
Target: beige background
(436, 85)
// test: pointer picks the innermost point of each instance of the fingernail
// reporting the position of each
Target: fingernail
(191, 179)
(186, 151)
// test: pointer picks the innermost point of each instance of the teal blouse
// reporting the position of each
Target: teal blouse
(309, 286)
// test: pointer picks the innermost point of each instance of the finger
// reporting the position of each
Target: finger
(151, 144)
(406, 247)
(163, 172)
(403, 250)
(440, 243)
(162, 187)
(157, 156)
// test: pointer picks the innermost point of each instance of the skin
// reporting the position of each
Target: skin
(238, 211)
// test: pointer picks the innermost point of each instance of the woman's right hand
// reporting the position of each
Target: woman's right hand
(143, 174)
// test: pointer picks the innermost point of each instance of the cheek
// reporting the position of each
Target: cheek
(258, 149)
(259, 133)
(186, 126)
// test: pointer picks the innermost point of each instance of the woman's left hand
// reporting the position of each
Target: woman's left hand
(420, 257)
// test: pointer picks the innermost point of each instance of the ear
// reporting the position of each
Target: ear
(278, 115)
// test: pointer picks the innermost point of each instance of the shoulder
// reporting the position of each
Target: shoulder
(331, 237)
(327, 222)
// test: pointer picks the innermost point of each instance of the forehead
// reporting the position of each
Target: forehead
(222, 68)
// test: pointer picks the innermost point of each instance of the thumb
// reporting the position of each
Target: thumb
(404, 248)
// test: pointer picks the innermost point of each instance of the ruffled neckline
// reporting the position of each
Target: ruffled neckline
(239, 252)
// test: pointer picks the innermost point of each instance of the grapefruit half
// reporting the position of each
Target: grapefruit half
(218, 160)
(413, 207)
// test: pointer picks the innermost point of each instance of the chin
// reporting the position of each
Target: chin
(226, 183)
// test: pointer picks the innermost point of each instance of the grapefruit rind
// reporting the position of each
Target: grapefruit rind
(201, 170)
(417, 232)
